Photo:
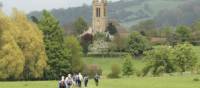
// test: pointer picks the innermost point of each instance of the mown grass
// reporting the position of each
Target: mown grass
(135, 82)
(106, 63)
(166, 81)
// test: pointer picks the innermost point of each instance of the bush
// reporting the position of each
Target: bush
(138, 73)
(196, 79)
(159, 62)
(185, 57)
(127, 66)
(92, 69)
(116, 70)
(137, 44)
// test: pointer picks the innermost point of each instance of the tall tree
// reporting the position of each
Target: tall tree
(195, 36)
(86, 40)
(120, 42)
(23, 55)
(183, 33)
(11, 57)
(31, 45)
(73, 45)
(80, 25)
(58, 55)
(111, 29)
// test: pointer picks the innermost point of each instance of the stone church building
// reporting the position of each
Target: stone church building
(100, 19)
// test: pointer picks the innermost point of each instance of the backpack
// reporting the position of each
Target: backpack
(96, 77)
(86, 78)
(69, 81)
(62, 84)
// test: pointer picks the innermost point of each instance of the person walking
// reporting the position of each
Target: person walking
(85, 79)
(80, 78)
(76, 79)
(62, 82)
(69, 81)
(96, 79)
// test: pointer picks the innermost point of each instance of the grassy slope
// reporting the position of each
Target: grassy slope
(155, 5)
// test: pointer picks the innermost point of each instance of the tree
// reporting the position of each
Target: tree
(80, 25)
(185, 57)
(159, 61)
(31, 45)
(11, 58)
(23, 55)
(86, 40)
(195, 36)
(146, 28)
(75, 49)
(127, 66)
(120, 42)
(137, 43)
(34, 19)
(58, 55)
(183, 33)
(111, 29)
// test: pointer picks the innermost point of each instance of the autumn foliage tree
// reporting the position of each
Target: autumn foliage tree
(11, 57)
(22, 48)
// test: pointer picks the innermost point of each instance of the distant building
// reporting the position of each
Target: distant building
(99, 19)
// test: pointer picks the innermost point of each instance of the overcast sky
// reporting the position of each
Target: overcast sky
(37, 5)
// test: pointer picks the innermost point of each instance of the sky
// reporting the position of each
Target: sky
(38, 5)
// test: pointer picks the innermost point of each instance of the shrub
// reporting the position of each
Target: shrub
(159, 62)
(138, 73)
(137, 44)
(92, 69)
(185, 57)
(196, 79)
(116, 70)
(127, 66)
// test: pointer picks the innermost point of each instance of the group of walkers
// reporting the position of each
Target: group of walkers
(76, 81)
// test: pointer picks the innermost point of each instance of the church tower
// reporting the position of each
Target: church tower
(99, 19)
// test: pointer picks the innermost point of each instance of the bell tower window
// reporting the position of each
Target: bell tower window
(98, 12)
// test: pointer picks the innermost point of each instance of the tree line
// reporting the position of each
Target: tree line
(38, 49)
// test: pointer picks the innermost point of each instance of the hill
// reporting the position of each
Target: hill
(129, 12)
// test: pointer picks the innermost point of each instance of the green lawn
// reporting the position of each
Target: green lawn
(146, 82)
(133, 82)
(106, 63)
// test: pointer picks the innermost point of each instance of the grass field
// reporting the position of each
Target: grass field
(185, 81)
(146, 82)
(106, 63)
